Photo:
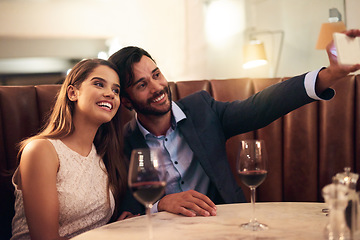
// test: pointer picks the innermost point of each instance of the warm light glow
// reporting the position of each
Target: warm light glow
(114, 44)
(326, 33)
(254, 55)
(103, 55)
(223, 20)
(254, 63)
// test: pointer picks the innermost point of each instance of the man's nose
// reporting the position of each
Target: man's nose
(155, 85)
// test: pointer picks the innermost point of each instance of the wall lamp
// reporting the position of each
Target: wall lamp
(254, 54)
(335, 24)
(254, 51)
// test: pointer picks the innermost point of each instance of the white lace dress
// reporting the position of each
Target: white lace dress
(84, 200)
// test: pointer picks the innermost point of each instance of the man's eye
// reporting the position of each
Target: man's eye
(142, 85)
(156, 75)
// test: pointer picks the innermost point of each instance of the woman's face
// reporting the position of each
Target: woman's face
(97, 99)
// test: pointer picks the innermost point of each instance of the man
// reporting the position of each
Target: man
(193, 131)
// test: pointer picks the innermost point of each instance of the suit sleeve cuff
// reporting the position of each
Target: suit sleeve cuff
(310, 81)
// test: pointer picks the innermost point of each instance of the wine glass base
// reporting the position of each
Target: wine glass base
(254, 226)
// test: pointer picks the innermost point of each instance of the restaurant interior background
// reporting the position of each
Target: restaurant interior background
(190, 39)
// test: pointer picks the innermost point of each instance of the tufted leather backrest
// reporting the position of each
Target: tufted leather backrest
(22, 111)
(306, 147)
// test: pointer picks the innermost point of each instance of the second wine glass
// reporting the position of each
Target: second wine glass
(252, 170)
(147, 178)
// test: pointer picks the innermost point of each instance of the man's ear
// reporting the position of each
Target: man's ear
(126, 102)
(72, 93)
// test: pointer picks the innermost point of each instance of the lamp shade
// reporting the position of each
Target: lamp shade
(326, 33)
(254, 55)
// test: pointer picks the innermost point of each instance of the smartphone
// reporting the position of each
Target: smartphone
(347, 48)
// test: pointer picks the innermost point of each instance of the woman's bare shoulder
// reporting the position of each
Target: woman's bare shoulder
(39, 151)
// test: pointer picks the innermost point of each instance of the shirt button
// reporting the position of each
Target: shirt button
(176, 162)
(166, 139)
(182, 182)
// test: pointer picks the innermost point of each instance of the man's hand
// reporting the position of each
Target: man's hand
(126, 215)
(189, 203)
(335, 71)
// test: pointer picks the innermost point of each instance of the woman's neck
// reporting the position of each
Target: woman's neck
(82, 138)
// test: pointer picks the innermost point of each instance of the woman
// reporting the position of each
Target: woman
(72, 175)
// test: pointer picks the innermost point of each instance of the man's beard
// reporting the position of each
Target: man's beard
(146, 109)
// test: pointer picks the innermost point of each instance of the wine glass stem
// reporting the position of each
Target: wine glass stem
(252, 189)
(148, 216)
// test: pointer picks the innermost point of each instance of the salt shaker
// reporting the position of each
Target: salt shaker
(336, 197)
(349, 180)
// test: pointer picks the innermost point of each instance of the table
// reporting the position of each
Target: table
(286, 220)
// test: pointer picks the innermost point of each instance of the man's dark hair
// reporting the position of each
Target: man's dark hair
(124, 60)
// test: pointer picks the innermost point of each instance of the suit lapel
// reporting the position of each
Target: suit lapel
(134, 138)
(189, 132)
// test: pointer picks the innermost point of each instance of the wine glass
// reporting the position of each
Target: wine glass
(147, 179)
(252, 169)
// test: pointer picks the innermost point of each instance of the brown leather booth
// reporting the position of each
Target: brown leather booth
(306, 147)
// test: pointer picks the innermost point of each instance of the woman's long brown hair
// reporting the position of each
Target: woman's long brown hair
(108, 139)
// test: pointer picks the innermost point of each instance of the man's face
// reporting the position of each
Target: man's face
(149, 93)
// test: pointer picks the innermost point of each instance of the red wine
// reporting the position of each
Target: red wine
(148, 192)
(252, 178)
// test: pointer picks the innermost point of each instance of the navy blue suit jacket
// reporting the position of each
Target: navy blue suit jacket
(210, 123)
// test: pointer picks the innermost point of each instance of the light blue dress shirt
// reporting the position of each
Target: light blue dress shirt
(183, 172)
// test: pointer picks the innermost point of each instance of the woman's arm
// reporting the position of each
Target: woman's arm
(38, 169)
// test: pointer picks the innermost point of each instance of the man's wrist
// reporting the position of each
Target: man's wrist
(324, 80)
(154, 208)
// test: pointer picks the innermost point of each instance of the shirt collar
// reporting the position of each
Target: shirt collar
(176, 116)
